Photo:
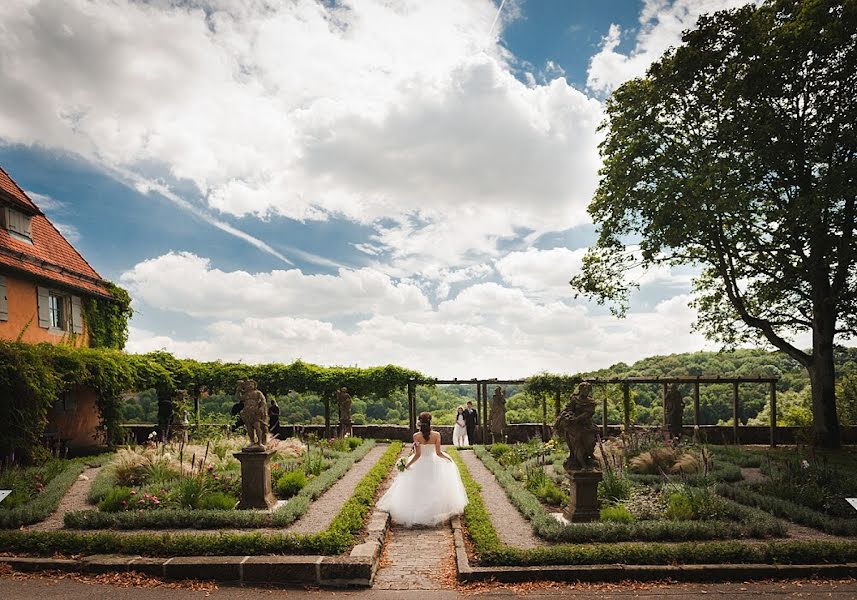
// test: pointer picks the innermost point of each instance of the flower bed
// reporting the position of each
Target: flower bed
(184, 518)
(336, 539)
(723, 520)
(491, 552)
(37, 491)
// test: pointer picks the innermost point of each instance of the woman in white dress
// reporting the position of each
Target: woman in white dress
(429, 491)
(459, 431)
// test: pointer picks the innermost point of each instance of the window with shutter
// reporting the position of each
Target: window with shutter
(44, 300)
(4, 302)
(19, 225)
(76, 315)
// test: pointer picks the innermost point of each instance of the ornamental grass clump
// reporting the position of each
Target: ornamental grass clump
(616, 513)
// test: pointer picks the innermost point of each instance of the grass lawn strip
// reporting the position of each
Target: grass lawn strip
(293, 510)
(336, 539)
(491, 552)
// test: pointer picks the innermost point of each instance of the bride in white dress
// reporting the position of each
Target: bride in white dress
(459, 431)
(429, 491)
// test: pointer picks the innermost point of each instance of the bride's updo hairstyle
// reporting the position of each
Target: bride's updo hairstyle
(425, 424)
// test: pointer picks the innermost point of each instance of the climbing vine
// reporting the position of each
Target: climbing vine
(107, 318)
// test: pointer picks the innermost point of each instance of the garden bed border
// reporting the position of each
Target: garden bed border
(355, 570)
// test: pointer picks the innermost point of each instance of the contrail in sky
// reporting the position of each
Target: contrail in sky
(496, 18)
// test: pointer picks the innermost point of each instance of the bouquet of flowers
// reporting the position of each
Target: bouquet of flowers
(402, 464)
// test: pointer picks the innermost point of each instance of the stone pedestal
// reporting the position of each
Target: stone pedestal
(583, 504)
(256, 479)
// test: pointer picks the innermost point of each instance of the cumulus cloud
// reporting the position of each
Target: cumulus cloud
(661, 25)
(187, 283)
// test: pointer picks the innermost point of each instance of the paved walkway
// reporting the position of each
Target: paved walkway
(416, 559)
(511, 526)
(74, 499)
(24, 586)
(322, 511)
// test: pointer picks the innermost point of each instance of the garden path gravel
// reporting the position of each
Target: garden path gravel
(416, 559)
(512, 527)
(74, 499)
(322, 511)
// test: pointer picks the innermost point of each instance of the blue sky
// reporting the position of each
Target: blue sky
(340, 182)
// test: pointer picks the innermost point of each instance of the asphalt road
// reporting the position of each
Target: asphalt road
(19, 587)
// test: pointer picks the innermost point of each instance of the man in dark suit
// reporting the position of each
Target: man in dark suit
(471, 418)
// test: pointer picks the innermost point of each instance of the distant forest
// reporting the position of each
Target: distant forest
(793, 394)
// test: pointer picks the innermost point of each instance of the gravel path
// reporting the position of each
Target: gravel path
(74, 499)
(322, 511)
(512, 527)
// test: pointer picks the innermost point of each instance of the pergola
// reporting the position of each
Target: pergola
(626, 382)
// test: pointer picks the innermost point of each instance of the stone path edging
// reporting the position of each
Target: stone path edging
(357, 569)
(706, 573)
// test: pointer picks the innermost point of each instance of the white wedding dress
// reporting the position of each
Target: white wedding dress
(428, 493)
(459, 433)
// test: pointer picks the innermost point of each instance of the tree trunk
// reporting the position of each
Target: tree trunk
(822, 376)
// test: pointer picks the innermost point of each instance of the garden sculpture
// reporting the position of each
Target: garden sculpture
(575, 426)
(254, 414)
(343, 399)
(498, 414)
(673, 409)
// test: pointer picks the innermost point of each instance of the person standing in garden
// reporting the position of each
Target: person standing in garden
(471, 418)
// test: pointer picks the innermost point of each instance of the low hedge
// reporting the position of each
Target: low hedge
(748, 522)
(47, 502)
(336, 539)
(490, 550)
(786, 509)
(726, 471)
(220, 519)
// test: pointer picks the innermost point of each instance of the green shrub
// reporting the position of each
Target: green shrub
(550, 493)
(189, 491)
(217, 501)
(219, 519)
(290, 483)
(616, 513)
(614, 487)
(679, 507)
(117, 499)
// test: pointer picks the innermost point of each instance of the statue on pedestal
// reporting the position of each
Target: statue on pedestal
(254, 414)
(343, 399)
(575, 426)
(673, 410)
(498, 414)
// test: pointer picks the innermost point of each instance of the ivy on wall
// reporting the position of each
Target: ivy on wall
(107, 319)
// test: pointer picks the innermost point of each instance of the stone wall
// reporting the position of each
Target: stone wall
(73, 420)
(521, 432)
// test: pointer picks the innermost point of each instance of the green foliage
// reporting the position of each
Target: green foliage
(116, 499)
(290, 483)
(107, 319)
(217, 501)
(614, 487)
(770, 222)
(189, 491)
(616, 513)
(27, 483)
(214, 519)
(786, 509)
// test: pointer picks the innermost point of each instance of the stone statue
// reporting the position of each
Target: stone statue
(498, 414)
(254, 414)
(673, 410)
(343, 399)
(575, 426)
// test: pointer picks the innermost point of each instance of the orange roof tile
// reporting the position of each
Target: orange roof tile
(50, 256)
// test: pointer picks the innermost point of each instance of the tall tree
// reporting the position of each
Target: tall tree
(735, 154)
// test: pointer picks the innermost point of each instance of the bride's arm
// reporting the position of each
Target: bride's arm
(416, 454)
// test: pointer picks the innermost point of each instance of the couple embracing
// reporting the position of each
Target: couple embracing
(464, 431)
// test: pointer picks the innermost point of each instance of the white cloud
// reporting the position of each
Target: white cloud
(542, 272)
(487, 329)
(187, 283)
(661, 25)
(364, 110)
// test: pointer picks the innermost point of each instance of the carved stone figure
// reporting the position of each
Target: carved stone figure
(343, 399)
(575, 426)
(498, 414)
(673, 409)
(254, 414)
